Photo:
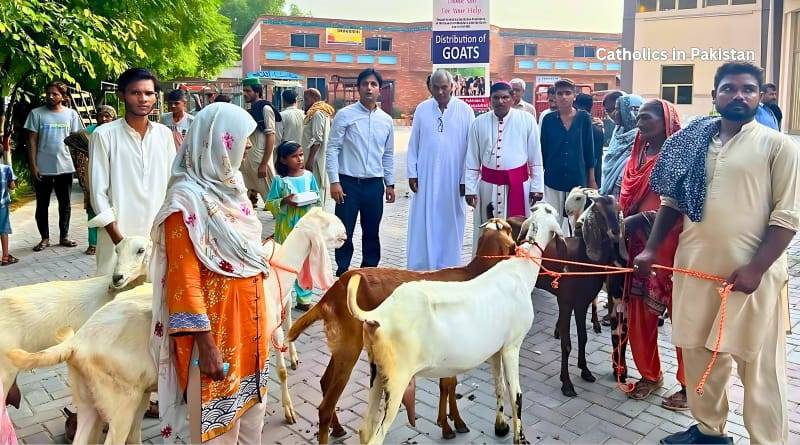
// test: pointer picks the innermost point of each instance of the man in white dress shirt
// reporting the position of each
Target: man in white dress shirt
(130, 161)
(436, 152)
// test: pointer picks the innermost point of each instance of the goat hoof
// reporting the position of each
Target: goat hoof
(462, 429)
(293, 365)
(501, 430)
(338, 432)
(288, 414)
(569, 391)
(448, 434)
(597, 328)
(587, 375)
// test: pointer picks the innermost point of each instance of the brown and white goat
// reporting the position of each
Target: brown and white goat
(597, 240)
(343, 331)
(440, 329)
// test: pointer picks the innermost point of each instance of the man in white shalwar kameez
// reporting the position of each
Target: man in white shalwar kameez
(733, 185)
(130, 163)
(436, 152)
(504, 174)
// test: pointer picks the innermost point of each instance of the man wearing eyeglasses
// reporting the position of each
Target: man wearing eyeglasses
(435, 164)
(504, 173)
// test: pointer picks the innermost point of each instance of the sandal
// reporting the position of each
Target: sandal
(643, 388)
(66, 242)
(676, 402)
(91, 250)
(9, 260)
(43, 244)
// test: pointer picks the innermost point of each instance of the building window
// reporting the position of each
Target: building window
(299, 57)
(366, 58)
(544, 65)
(613, 67)
(526, 49)
(378, 44)
(601, 86)
(526, 64)
(677, 83)
(344, 58)
(671, 5)
(716, 2)
(387, 60)
(647, 6)
(585, 51)
(743, 2)
(562, 65)
(727, 2)
(320, 84)
(579, 65)
(305, 40)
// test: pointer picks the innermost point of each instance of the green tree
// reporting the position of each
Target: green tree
(243, 13)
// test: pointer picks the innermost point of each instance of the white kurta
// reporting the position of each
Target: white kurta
(129, 176)
(436, 159)
(520, 145)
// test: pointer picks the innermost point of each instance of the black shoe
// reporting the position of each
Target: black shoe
(303, 306)
(693, 435)
(339, 273)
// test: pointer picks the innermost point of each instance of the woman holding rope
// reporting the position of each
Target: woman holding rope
(644, 301)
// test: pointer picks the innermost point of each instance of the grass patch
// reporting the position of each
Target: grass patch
(21, 195)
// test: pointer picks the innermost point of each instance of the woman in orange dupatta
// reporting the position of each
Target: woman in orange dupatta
(645, 301)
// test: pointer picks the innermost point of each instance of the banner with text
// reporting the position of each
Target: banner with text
(342, 36)
(460, 44)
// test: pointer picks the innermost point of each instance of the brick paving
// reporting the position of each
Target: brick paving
(600, 413)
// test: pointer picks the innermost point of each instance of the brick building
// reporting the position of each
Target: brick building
(301, 49)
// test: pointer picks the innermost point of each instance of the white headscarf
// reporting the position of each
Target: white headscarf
(207, 189)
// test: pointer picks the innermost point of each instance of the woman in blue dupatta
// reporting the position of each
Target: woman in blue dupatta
(619, 149)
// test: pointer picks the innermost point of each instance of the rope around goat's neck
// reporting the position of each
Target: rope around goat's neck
(724, 292)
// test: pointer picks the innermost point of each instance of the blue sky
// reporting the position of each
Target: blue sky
(567, 15)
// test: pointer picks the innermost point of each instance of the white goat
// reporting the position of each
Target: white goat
(442, 329)
(111, 369)
(31, 315)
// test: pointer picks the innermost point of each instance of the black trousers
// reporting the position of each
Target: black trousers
(62, 184)
(364, 196)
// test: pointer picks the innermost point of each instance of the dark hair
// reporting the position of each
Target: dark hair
(551, 91)
(369, 72)
(134, 75)
(222, 98)
(584, 102)
(564, 84)
(61, 86)
(284, 150)
(289, 96)
(612, 96)
(258, 89)
(734, 68)
(175, 96)
(769, 86)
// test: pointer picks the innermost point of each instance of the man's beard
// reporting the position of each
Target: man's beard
(737, 112)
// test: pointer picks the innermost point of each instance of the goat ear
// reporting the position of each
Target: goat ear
(592, 237)
(523, 231)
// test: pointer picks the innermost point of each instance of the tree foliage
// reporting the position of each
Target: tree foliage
(49, 39)
(243, 13)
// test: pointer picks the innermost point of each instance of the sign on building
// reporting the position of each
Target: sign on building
(343, 36)
(460, 44)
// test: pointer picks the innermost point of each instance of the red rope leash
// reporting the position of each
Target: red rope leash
(724, 292)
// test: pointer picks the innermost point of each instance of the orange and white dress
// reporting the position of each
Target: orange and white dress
(234, 310)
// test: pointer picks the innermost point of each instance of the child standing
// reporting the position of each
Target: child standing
(7, 183)
(292, 179)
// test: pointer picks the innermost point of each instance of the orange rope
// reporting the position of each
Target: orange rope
(724, 292)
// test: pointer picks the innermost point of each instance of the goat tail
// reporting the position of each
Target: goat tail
(48, 357)
(301, 324)
(352, 301)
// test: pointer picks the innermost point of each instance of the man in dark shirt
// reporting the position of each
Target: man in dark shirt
(584, 102)
(567, 149)
(769, 97)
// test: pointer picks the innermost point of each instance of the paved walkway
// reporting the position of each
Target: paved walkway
(600, 413)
